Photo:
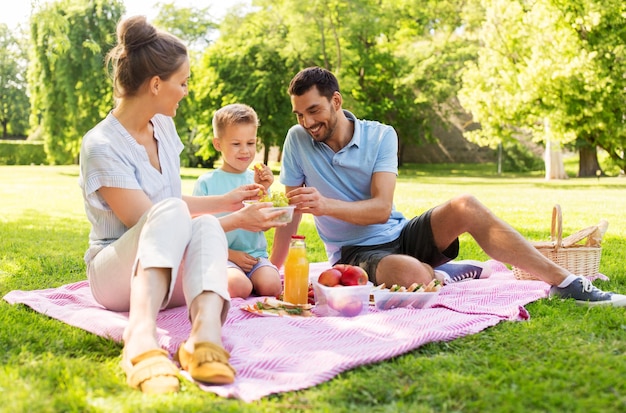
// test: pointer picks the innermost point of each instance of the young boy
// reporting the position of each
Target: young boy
(249, 269)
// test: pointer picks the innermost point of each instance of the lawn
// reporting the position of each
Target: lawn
(564, 359)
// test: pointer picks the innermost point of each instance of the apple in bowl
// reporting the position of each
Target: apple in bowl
(343, 290)
(343, 274)
(330, 277)
(346, 305)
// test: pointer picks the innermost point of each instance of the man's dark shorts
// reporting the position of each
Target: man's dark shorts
(416, 240)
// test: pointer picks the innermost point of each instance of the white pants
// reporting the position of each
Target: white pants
(165, 237)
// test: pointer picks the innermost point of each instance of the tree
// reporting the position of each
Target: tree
(597, 112)
(196, 28)
(431, 49)
(14, 105)
(70, 91)
(393, 62)
(398, 62)
(556, 61)
(244, 65)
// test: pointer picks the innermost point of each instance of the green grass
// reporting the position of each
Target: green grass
(564, 359)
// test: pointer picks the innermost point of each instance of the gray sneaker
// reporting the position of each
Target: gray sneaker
(586, 294)
(456, 271)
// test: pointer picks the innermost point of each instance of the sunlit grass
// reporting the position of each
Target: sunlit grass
(565, 358)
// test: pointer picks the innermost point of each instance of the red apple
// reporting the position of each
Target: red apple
(341, 267)
(352, 275)
(330, 277)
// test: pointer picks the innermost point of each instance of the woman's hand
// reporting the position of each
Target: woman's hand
(233, 200)
(229, 202)
(254, 217)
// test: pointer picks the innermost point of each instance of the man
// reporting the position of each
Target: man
(343, 171)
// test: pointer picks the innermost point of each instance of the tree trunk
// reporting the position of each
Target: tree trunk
(400, 154)
(266, 154)
(588, 162)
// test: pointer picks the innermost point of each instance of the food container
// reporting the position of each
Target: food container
(386, 300)
(341, 301)
(287, 216)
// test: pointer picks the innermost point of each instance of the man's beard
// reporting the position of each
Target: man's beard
(331, 125)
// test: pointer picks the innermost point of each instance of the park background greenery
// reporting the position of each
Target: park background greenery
(516, 65)
(527, 70)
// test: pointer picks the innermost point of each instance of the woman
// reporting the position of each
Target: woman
(151, 247)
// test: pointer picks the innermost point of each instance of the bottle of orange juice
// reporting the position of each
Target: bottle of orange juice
(296, 272)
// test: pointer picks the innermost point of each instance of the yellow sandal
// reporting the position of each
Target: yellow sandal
(153, 373)
(208, 363)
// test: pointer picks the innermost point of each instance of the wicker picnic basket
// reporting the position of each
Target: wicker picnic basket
(569, 252)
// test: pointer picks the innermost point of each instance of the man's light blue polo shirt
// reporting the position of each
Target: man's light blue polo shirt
(345, 175)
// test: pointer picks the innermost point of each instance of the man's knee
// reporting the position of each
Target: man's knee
(466, 202)
(403, 270)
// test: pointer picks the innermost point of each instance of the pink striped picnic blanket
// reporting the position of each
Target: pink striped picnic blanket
(280, 354)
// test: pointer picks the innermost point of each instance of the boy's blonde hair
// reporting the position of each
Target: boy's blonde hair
(233, 114)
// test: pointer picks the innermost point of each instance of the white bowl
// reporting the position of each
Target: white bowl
(341, 301)
(287, 214)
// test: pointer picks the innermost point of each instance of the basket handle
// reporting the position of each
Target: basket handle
(556, 230)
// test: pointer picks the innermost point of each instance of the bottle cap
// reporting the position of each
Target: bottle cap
(298, 237)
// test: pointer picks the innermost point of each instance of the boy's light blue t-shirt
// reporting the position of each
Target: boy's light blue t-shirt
(345, 175)
(219, 182)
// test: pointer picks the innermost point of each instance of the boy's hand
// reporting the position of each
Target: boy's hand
(263, 175)
(243, 260)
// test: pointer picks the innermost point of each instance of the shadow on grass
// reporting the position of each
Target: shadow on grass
(582, 183)
(482, 170)
(40, 251)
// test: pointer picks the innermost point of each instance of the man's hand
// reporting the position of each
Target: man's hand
(307, 199)
(373, 210)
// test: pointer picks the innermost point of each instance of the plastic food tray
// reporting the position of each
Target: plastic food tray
(386, 300)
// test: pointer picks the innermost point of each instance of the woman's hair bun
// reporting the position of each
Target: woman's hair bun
(135, 33)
